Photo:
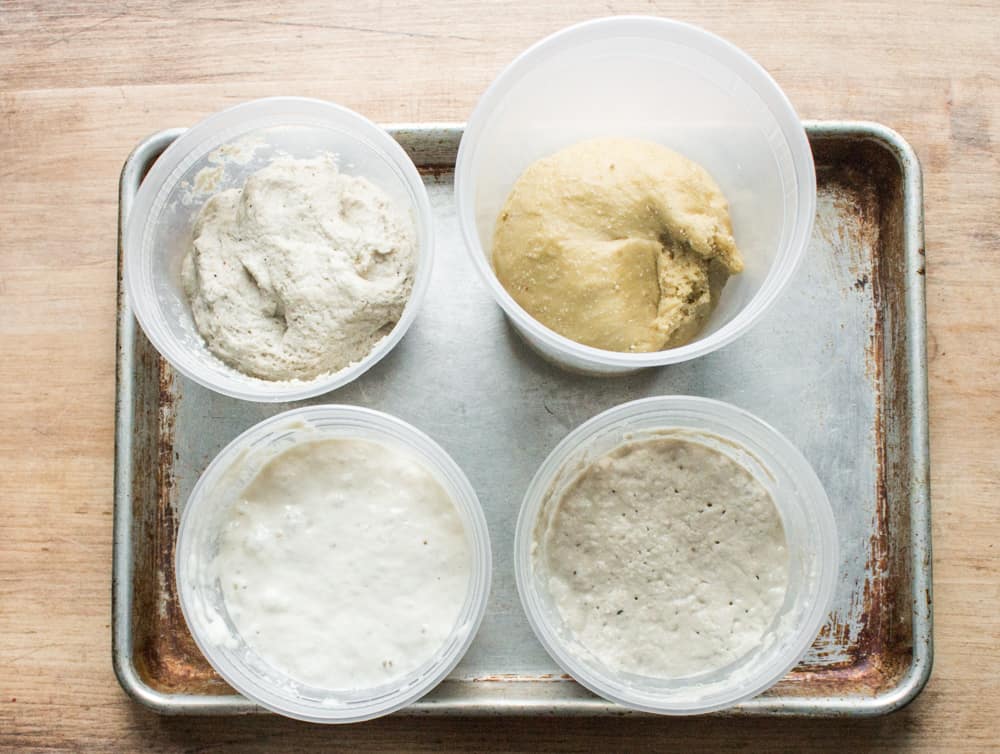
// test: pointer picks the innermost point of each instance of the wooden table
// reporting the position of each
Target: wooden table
(81, 83)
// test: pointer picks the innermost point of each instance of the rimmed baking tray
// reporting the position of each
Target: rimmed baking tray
(838, 366)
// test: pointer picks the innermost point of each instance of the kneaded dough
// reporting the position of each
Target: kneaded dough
(619, 244)
(664, 558)
(301, 272)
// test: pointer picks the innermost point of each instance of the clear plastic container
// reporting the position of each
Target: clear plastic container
(202, 600)
(810, 531)
(668, 82)
(221, 152)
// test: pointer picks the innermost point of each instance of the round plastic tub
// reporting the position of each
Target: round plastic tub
(667, 82)
(810, 531)
(221, 152)
(202, 600)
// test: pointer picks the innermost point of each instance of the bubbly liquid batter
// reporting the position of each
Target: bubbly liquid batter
(345, 564)
(664, 558)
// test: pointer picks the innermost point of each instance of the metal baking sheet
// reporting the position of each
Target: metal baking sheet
(838, 366)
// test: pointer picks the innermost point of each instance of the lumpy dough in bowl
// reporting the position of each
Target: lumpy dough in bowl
(299, 273)
(619, 244)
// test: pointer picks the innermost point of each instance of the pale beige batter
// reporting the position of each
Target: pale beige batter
(620, 244)
(664, 558)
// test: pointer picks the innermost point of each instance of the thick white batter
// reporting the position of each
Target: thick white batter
(345, 564)
(664, 558)
(301, 272)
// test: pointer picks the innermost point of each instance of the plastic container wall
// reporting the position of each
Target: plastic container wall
(663, 81)
(810, 531)
(202, 600)
(219, 153)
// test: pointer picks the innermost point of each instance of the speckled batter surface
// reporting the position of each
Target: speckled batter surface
(664, 557)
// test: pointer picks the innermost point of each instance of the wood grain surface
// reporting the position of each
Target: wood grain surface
(82, 82)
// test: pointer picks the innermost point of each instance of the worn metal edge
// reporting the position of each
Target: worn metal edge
(122, 656)
(910, 684)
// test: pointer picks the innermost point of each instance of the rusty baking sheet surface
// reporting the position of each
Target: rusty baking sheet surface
(838, 366)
